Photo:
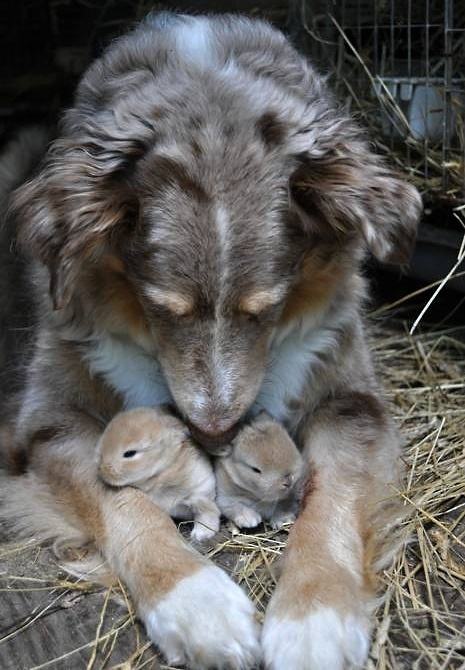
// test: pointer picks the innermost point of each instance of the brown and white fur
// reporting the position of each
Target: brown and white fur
(259, 479)
(151, 450)
(195, 236)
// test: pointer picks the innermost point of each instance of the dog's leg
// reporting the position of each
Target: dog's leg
(319, 615)
(191, 609)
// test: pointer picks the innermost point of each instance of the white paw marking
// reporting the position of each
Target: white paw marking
(206, 622)
(323, 640)
(247, 518)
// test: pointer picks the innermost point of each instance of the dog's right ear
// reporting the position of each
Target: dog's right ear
(79, 198)
(345, 190)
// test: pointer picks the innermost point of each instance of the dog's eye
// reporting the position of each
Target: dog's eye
(251, 318)
(262, 304)
(257, 470)
(130, 453)
(170, 302)
(265, 315)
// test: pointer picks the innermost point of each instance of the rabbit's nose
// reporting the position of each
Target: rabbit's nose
(288, 480)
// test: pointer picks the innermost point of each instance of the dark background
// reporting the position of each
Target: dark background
(45, 45)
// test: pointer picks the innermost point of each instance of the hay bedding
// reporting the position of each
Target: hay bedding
(422, 621)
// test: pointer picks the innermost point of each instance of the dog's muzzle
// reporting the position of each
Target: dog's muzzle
(216, 444)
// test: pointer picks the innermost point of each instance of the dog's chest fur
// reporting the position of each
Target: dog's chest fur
(294, 354)
(129, 370)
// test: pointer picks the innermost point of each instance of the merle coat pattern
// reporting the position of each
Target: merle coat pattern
(194, 236)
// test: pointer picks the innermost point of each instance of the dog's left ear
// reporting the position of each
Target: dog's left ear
(350, 191)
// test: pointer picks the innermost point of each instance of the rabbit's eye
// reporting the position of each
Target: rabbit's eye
(244, 464)
(130, 453)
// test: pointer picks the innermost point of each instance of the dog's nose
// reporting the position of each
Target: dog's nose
(216, 443)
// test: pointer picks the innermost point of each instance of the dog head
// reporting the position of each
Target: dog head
(205, 193)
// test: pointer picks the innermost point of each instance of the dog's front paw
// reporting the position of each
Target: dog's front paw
(323, 639)
(205, 622)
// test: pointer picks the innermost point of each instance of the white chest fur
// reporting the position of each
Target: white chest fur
(293, 356)
(129, 371)
(139, 379)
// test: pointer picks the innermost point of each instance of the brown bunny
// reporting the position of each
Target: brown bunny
(150, 450)
(259, 479)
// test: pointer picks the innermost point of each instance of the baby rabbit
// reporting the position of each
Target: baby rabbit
(258, 480)
(150, 449)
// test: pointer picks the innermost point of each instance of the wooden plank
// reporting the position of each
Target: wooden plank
(45, 624)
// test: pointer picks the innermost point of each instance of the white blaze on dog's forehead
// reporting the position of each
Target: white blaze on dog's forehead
(176, 302)
(222, 370)
(193, 41)
(222, 222)
(222, 227)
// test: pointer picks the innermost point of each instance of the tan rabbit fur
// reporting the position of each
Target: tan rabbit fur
(259, 479)
(150, 449)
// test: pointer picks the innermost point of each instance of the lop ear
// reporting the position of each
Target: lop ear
(78, 199)
(350, 190)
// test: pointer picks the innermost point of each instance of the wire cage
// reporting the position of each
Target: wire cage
(400, 64)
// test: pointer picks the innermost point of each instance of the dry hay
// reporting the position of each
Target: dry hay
(437, 168)
(421, 622)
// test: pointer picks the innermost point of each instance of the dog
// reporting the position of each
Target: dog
(195, 236)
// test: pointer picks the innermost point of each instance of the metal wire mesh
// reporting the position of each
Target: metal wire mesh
(401, 65)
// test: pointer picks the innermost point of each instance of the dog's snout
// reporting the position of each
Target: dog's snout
(217, 443)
